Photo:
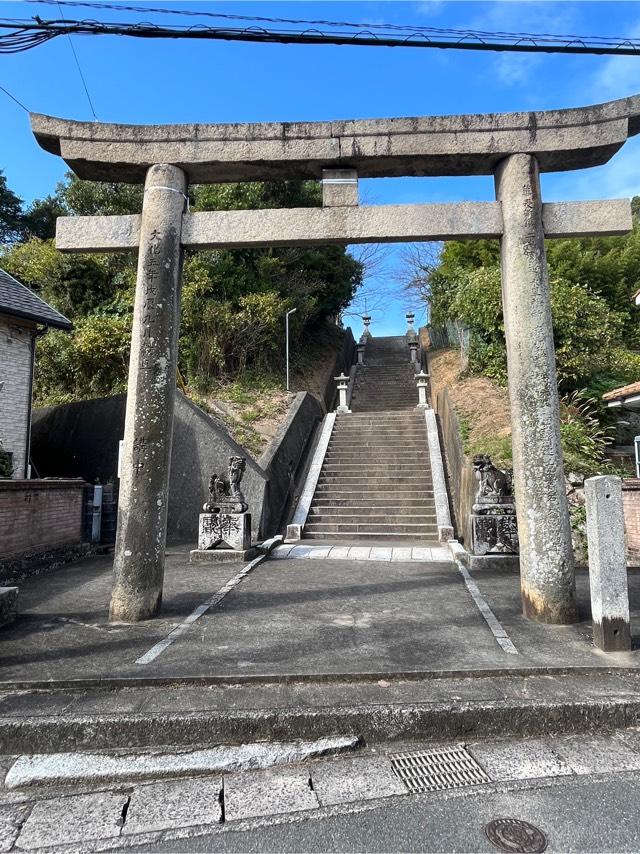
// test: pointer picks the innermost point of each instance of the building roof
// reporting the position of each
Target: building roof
(621, 393)
(17, 300)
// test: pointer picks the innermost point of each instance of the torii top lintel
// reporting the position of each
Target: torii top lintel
(430, 145)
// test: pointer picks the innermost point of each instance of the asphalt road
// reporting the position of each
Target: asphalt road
(595, 813)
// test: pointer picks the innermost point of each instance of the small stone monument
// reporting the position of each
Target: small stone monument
(224, 532)
(493, 519)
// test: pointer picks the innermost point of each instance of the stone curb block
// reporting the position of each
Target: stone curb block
(433, 721)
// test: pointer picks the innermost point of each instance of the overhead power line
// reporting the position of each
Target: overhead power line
(75, 56)
(89, 4)
(13, 98)
(23, 36)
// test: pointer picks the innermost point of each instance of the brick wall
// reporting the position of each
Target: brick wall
(631, 504)
(36, 515)
(15, 374)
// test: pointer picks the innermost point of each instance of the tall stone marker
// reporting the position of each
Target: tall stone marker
(607, 564)
(512, 147)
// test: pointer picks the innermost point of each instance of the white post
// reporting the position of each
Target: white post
(422, 381)
(343, 382)
(286, 323)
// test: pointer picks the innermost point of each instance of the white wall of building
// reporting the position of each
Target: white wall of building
(15, 378)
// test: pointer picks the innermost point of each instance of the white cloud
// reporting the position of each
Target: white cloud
(619, 76)
(430, 8)
(512, 16)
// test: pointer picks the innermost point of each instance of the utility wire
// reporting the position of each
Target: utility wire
(75, 56)
(388, 27)
(25, 36)
(411, 28)
(13, 98)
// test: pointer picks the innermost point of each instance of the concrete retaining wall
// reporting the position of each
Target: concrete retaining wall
(283, 461)
(81, 440)
(345, 357)
(40, 515)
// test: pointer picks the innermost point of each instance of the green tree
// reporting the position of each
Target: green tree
(11, 216)
(233, 302)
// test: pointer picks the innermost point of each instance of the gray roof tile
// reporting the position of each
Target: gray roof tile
(18, 301)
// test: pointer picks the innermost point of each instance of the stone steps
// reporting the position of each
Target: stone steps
(366, 533)
(375, 483)
(397, 521)
(372, 504)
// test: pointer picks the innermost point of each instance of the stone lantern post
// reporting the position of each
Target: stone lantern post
(366, 319)
(422, 381)
(343, 382)
(360, 351)
(413, 350)
(411, 332)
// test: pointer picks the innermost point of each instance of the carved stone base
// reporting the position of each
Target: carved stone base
(494, 530)
(210, 556)
(224, 530)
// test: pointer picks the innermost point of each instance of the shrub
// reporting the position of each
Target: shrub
(6, 463)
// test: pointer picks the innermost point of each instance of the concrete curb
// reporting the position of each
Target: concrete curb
(440, 494)
(296, 526)
(116, 682)
(373, 723)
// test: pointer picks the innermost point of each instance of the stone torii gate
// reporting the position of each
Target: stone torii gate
(513, 147)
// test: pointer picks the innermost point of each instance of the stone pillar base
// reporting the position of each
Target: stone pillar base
(224, 530)
(222, 555)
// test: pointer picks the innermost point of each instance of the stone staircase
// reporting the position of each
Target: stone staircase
(375, 483)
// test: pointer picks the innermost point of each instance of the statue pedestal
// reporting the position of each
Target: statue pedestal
(494, 527)
(210, 556)
(224, 530)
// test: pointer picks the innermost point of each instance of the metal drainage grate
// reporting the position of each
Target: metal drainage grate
(433, 770)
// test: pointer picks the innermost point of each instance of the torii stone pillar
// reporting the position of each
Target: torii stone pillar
(546, 555)
(144, 483)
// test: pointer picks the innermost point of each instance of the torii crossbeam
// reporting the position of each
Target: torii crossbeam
(513, 147)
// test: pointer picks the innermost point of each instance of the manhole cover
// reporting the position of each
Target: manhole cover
(515, 835)
(433, 770)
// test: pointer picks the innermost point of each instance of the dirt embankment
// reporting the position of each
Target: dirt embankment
(482, 406)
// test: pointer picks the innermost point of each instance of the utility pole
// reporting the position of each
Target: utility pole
(286, 322)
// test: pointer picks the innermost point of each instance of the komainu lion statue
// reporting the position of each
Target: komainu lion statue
(493, 482)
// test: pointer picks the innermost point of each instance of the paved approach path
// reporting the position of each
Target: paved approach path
(290, 618)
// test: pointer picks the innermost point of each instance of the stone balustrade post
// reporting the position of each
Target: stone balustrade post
(546, 555)
(343, 384)
(607, 564)
(360, 351)
(144, 483)
(413, 350)
(422, 382)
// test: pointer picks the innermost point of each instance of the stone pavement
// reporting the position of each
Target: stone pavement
(161, 813)
(289, 618)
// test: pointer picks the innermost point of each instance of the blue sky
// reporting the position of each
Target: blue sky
(165, 81)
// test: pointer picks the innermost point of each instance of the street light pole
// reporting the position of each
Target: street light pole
(286, 321)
